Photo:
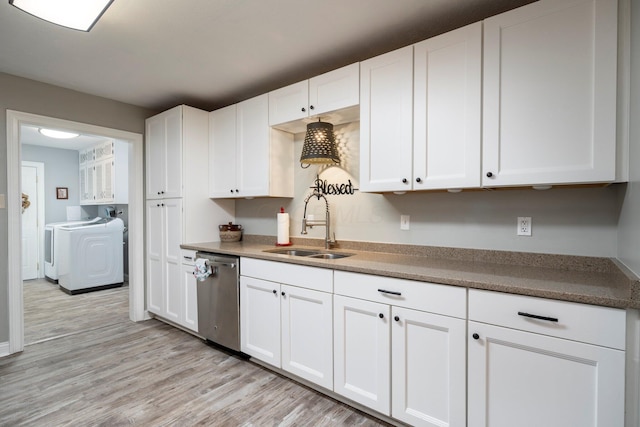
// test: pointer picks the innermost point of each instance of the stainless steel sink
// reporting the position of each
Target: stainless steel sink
(309, 253)
(330, 255)
(293, 252)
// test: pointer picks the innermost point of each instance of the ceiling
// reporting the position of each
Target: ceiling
(30, 135)
(212, 53)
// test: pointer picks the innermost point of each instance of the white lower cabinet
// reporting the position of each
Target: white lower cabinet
(189, 290)
(362, 356)
(289, 327)
(529, 367)
(260, 319)
(164, 267)
(396, 359)
(171, 286)
(428, 376)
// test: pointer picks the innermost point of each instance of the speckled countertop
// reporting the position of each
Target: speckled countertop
(590, 280)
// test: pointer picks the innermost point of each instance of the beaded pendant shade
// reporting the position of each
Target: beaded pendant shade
(319, 145)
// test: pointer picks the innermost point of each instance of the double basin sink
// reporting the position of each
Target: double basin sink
(309, 253)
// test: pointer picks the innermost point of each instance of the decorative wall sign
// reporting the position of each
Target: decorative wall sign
(62, 193)
(323, 187)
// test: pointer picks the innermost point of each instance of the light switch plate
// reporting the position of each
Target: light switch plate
(404, 222)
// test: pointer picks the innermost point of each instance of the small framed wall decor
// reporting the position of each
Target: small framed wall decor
(62, 193)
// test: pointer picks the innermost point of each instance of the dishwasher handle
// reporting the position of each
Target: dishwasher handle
(221, 264)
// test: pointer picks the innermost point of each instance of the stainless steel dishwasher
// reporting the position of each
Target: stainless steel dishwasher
(219, 301)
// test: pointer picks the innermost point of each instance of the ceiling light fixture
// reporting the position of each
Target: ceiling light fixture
(319, 145)
(76, 14)
(58, 134)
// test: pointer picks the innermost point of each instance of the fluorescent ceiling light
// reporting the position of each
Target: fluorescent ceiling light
(77, 14)
(58, 134)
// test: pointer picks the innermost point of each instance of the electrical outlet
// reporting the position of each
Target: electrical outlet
(524, 226)
(404, 222)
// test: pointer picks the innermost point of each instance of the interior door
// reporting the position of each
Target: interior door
(30, 241)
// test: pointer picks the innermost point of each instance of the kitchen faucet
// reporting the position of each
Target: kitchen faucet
(311, 222)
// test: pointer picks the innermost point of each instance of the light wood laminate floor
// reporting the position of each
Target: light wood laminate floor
(105, 370)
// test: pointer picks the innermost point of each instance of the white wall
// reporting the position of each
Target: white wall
(565, 221)
(60, 170)
(629, 229)
(29, 96)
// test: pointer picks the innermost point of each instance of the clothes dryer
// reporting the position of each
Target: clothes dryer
(91, 256)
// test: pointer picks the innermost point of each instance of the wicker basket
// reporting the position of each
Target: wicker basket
(230, 232)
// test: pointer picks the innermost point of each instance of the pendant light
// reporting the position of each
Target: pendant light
(319, 145)
(75, 14)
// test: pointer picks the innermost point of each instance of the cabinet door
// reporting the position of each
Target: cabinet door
(386, 117)
(104, 181)
(525, 379)
(252, 148)
(189, 318)
(549, 113)
(155, 143)
(428, 368)
(164, 154)
(362, 364)
(307, 339)
(447, 110)
(260, 319)
(334, 90)
(155, 250)
(172, 231)
(222, 153)
(173, 155)
(289, 103)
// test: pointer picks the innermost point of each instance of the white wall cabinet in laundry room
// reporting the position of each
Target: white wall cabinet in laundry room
(87, 175)
(104, 173)
(247, 158)
(549, 94)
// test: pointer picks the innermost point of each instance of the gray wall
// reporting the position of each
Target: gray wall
(565, 221)
(38, 98)
(629, 230)
(60, 170)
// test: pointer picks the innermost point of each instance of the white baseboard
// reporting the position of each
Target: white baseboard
(4, 349)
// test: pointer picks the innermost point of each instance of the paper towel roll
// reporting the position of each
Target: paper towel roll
(283, 228)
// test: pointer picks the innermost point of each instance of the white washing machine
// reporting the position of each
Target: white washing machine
(91, 256)
(50, 246)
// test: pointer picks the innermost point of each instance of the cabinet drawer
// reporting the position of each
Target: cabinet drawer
(431, 297)
(320, 279)
(579, 322)
(188, 256)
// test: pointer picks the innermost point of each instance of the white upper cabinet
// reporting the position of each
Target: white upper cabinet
(447, 110)
(104, 173)
(247, 158)
(164, 136)
(549, 112)
(420, 115)
(222, 152)
(386, 119)
(328, 93)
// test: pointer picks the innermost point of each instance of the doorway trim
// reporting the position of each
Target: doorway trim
(15, 119)
(40, 184)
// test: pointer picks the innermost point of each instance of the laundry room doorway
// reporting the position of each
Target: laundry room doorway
(15, 121)
(32, 216)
